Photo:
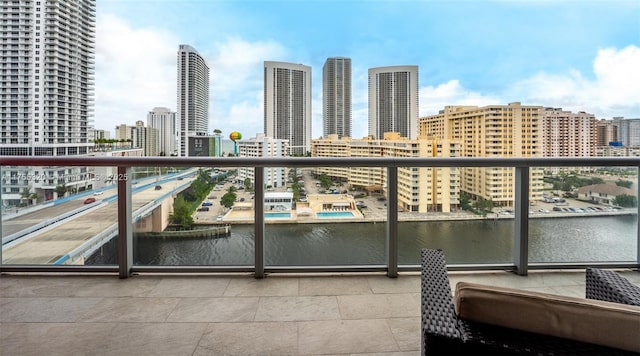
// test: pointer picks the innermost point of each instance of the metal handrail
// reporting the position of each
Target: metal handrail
(124, 164)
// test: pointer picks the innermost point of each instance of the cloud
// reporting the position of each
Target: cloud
(135, 72)
(613, 91)
(435, 98)
(237, 80)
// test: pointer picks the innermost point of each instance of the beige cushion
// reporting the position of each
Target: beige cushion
(603, 323)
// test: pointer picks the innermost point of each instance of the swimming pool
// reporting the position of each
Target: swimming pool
(277, 215)
(334, 214)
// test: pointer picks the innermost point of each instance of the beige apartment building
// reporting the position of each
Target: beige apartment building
(512, 130)
(607, 132)
(567, 134)
(420, 189)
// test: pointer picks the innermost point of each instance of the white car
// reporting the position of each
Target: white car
(98, 193)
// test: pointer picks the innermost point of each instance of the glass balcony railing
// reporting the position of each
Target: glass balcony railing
(133, 214)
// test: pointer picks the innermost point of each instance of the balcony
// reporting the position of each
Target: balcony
(317, 304)
(238, 315)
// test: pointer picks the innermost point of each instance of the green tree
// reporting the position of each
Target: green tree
(465, 201)
(626, 201)
(247, 184)
(624, 183)
(325, 181)
(181, 213)
(228, 199)
(61, 189)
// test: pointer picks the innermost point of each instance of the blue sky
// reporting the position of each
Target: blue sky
(578, 55)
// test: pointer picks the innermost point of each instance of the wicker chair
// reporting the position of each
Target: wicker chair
(444, 333)
(611, 287)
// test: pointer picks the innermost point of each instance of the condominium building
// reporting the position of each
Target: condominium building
(101, 134)
(628, 131)
(420, 189)
(567, 134)
(259, 147)
(46, 91)
(393, 101)
(140, 136)
(607, 132)
(164, 120)
(336, 97)
(618, 151)
(193, 97)
(287, 104)
(511, 130)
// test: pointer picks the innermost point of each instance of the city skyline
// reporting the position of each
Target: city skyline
(579, 56)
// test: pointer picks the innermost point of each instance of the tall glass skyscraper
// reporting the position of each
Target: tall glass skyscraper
(287, 104)
(193, 97)
(46, 92)
(336, 97)
(393, 101)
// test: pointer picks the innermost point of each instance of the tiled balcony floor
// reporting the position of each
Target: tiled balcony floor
(230, 315)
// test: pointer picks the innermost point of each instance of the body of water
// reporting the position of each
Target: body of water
(611, 238)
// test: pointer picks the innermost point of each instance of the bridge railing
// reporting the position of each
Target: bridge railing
(522, 166)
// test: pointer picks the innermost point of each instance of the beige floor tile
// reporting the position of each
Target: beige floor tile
(190, 287)
(406, 332)
(48, 310)
(270, 286)
(402, 284)
(401, 353)
(36, 339)
(155, 339)
(215, 310)
(249, 339)
(37, 286)
(137, 286)
(127, 309)
(334, 286)
(345, 336)
(297, 308)
(379, 306)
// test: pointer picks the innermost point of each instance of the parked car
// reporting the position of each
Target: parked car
(203, 209)
(98, 193)
(206, 203)
(90, 200)
(158, 187)
(219, 218)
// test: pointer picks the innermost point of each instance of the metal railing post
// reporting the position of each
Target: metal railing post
(638, 220)
(392, 222)
(258, 203)
(521, 233)
(125, 225)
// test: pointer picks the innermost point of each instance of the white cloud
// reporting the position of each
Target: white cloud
(433, 99)
(135, 72)
(614, 90)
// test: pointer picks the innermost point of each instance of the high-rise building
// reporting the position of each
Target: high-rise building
(510, 130)
(139, 136)
(420, 189)
(628, 131)
(46, 91)
(193, 96)
(607, 132)
(263, 146)
(567, 134)
(287, 104)
(393, 101)
(164, 120)
(336, 97)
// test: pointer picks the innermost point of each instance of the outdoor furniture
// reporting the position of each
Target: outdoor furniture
(608, 285)
(444, 332)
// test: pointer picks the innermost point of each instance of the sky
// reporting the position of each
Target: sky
(579, 55)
